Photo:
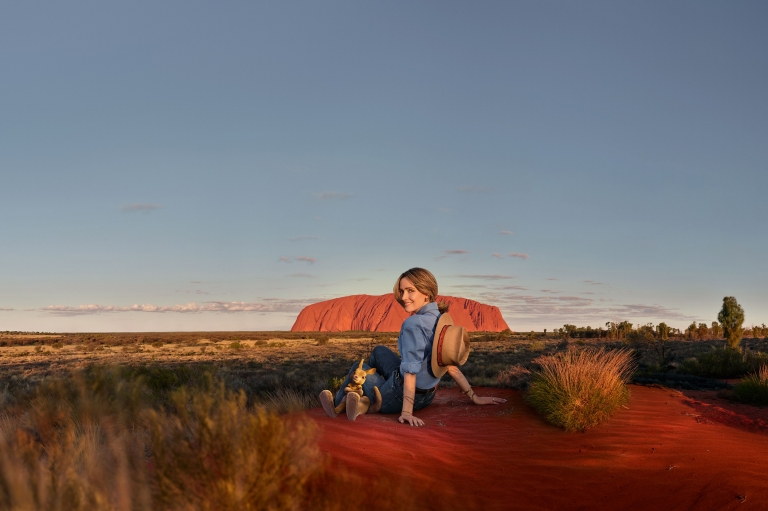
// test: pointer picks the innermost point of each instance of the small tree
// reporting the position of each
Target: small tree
(662, 330)
(731, 318)
(717, 331)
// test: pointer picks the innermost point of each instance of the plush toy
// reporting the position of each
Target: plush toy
(353, 401)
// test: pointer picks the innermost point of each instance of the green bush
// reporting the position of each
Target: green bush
(725, 363)
(578, 390)
(754, 388)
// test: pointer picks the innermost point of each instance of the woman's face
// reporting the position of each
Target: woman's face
(413, 299)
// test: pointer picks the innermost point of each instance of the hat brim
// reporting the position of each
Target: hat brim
(444, 321)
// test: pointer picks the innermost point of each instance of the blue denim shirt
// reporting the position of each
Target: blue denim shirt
(415, 345)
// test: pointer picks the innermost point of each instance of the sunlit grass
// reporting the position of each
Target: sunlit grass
(578, 390)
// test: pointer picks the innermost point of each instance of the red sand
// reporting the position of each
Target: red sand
(666, 451)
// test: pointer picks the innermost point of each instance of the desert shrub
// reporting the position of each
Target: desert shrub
(725, 363)
(334, 384)
(97, 440)
(157, 344)
(754, 388)
(578, 390)
(213, 453)
(322, 340)
(237, 345)
(260, 342)
(514, 377)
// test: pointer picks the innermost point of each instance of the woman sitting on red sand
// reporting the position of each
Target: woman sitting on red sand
(409, 384)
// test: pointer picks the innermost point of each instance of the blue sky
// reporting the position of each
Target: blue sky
(218, 166)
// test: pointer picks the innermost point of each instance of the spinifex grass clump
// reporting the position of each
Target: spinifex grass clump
(578, 390)
(211, 452)
(754, 388)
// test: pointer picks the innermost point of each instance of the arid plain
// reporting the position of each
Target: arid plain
(682, 442)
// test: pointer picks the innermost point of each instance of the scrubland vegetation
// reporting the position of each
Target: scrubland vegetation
(198, 420)
(113, 438)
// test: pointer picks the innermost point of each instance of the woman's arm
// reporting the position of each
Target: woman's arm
(409, 393)
(466, 388)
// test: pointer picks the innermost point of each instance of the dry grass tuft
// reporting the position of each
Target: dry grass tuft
(578, 390)
(514, 377)
(754, 388)
(113, 439)
(74, 446)
(213, 453)
(289, 400)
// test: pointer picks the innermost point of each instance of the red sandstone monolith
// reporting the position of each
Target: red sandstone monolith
(383, 314)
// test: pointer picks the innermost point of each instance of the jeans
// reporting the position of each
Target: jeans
(389, 381)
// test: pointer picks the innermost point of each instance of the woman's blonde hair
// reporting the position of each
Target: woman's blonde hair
(424, 282)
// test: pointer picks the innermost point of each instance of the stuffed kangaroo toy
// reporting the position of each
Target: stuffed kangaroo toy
(354, 401)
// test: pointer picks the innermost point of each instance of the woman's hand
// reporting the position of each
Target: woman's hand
(410, 419)
(487, 400)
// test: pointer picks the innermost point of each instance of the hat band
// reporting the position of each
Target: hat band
(440, 346)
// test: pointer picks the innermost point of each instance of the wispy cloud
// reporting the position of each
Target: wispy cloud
(302, 275)
(592, 282)
(550, 291)
(506, 233)
(310, 260)
(194, 282)
(497, 255)
(471, 189)
(518, 254)
(139, 208)
(5, 309)
(573, 309)
(447, 253)
(551, 278)
(485, 276)
(304, 238)
(334, 195)
(266, 305)
(284, 259)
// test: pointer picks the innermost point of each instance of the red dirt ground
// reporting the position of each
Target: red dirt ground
(667, 451)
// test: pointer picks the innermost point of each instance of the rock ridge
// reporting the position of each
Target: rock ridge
(383, 314)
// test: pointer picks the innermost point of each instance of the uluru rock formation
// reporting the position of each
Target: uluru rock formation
(383, 314)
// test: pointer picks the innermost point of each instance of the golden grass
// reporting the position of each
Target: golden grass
(212, 453)
(100, 440)
(578, 390)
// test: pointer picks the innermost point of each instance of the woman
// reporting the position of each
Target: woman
(409, 384)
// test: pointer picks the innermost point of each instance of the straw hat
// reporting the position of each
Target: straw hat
(450, 346)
